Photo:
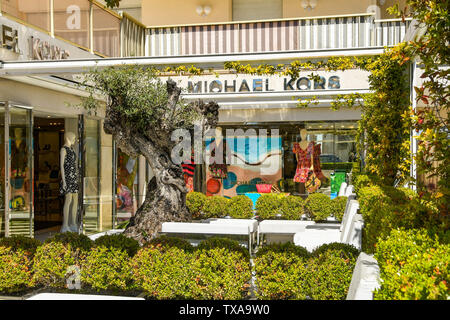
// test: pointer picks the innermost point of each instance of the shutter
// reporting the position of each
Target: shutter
(257, 9)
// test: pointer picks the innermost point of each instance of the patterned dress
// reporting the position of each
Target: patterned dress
(304, 161)
(70, 173)
(219, 170)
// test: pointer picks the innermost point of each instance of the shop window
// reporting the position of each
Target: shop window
(254, 159)
(127, 193)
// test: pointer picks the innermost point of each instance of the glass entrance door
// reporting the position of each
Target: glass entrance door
(18, 195)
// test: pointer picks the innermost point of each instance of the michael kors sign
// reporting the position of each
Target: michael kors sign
(43, 50)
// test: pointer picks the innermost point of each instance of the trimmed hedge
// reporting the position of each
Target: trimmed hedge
(16, 242)
(287, 275)
(268, 205)
(15, 270)
(292, 207)
(195, 202)
(76, 241)
(412, 266)
(287, 247)
(171, 242)
(215, 207)
(220, 274)
(51, 263)
(217, 242)
(164, 274)
(318, 206)
(330, 275)
(107, 268)
(281, 276)
(240, 207)
(385, 208)
(339, 204)
(345, 251)
(118, 241)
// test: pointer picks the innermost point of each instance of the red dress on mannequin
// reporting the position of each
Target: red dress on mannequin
(304, 161)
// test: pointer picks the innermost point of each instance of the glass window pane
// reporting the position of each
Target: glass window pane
(127, 186)
(91, 176)
(2, 171)
(106, 33)
(72, 21)
(36, 12)
(21, 180)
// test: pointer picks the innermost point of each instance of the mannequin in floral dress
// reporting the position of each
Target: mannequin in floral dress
(308, 159)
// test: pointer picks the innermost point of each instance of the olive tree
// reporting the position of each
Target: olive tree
(141, 113)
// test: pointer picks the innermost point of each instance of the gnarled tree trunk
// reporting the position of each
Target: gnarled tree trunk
(166, 193)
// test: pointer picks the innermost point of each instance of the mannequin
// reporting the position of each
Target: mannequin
(308, 161)
(69, 184)
(303, 144)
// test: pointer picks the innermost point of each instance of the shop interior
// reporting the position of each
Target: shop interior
(48, 137)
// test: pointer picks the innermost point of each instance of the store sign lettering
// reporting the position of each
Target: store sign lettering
(43, 50)
(262, 85)
(9, 39)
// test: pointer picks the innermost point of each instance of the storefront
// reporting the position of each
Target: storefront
(36, 113)
(263, 129)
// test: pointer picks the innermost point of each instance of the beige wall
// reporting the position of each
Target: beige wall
(179, 12)
(175, 12)
(389, 3)
(293, 8)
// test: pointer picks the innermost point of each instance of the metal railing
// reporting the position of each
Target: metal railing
(86, 24)
(338, 32)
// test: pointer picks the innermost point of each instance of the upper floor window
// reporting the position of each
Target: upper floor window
(244, 10)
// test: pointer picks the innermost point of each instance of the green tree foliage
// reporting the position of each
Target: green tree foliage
(431, 49)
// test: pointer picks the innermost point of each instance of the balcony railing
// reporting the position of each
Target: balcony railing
(359, 31)
(84, 23)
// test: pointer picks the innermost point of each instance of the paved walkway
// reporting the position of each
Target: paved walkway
(44, 234)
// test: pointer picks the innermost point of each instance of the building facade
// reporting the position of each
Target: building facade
(38, 104)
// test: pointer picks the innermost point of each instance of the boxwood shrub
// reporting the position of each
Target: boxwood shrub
(107, 268)
(386, 208)
(413, 266)
(164, 274)
(339, 204)
(292, 207)
(16, 242)
(119, 241)
(345, 251)
(76, 241)
(15, 270)
(165, 242)
(268, 205)
(329, 275)
(318, 206)
(217, 242)
(240, 207)
(51, 262)
(281, 275)
(215, 207)
(220, 274)
(287, 247)
(195, 202)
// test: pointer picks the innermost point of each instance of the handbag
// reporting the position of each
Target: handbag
(313, 183)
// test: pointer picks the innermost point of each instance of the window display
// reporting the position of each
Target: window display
(127, 186)
(69, 184)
